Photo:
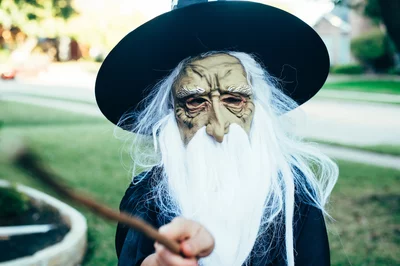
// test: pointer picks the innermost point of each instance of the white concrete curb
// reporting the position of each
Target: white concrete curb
(71, 250)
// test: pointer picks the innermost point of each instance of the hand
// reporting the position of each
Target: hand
(195, 242)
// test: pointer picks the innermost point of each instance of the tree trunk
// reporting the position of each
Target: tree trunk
(390, 10)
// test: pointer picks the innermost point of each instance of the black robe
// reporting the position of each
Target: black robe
(310, 236)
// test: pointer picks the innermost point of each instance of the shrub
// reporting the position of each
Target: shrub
(373, 49)
(394, 71)
(12, 202)
(352, 69)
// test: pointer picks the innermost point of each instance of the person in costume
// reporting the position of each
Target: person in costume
(206, 88)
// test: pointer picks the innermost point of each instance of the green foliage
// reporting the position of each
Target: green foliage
(352, 69)
(373, 10)
(373, 49)
(369, 46)
(40, 9)
(394, 71)
(35, 17)
(63, 9)
(369, 8)
(12, 202)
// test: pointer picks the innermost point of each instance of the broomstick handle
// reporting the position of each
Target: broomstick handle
(30, 163)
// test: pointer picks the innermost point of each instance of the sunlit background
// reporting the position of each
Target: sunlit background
(97, 25)
(50, 53)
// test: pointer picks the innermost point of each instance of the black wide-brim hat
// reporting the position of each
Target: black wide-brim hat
(286, 46)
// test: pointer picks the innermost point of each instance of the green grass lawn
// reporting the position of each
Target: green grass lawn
(382, 149)
(366, 206)
(365, 202)
(25, 115)
(392, 87)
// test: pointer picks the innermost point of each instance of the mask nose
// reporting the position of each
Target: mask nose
(218, 125)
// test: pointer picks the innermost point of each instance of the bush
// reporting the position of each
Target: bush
(369, 46)
(373, 49)
(12, 202)
(394, 71)
(347, 69)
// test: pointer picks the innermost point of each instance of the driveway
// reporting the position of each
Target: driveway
(349, 122)
(335, 120)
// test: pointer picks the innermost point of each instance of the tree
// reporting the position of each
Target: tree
(380, 11)
(30, 14)
(390, 12)
(39, 9)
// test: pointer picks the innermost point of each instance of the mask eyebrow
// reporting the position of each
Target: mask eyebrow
(242, 89)
(185, 92)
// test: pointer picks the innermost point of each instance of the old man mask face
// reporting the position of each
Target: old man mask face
(212, 92)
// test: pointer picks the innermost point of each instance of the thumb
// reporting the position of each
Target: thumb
(201, 244)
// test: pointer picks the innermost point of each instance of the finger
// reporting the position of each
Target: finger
(167, 258)
(200, 244)
(179, 229)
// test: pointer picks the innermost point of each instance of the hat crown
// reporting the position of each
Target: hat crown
(182, 3)
(146, 55)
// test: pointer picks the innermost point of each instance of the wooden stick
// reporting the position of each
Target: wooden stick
(29, 162)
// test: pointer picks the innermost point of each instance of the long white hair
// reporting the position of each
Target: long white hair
(300, 167)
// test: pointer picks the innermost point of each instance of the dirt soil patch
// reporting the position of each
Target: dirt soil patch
(26, 245)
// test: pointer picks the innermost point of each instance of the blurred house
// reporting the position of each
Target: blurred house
(336, 32)
(331, 22)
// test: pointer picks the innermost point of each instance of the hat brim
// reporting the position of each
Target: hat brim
(146, 55)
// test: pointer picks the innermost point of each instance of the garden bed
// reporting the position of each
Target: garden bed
(64, 243)
(27, 244)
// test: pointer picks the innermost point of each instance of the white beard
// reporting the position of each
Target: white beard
(223, 186)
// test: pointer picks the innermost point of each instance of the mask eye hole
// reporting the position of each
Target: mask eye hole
(195, 102)
(233, 100)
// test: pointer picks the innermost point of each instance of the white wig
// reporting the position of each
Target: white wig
(301, 167)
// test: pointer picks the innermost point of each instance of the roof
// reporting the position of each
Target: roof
(335, 21)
